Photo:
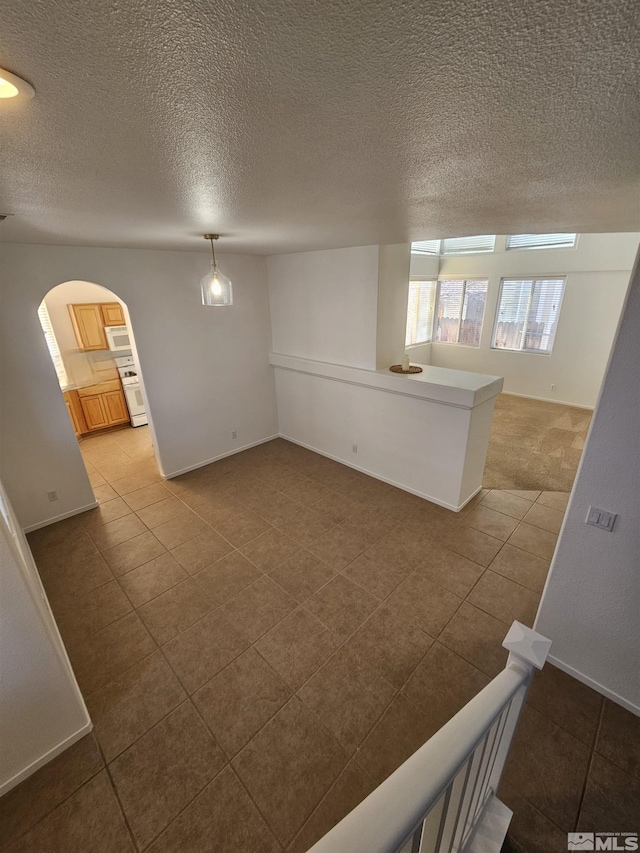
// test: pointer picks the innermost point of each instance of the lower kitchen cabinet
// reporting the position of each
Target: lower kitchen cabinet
(103, 405)
(75, 412)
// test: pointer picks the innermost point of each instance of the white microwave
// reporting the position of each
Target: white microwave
(118, 338)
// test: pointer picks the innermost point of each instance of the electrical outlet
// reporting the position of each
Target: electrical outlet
(53, 496)
(234, 434)
(553, 387)
(354, 447)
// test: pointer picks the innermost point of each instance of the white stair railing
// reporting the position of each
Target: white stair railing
(443, 798)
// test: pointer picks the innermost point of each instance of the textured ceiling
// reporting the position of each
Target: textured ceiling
(289, 125)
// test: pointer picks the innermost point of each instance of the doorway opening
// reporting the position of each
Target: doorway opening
(90, 340)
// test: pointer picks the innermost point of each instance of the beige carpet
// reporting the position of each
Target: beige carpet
(534, 445)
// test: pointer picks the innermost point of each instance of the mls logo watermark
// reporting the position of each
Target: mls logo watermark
(621, 841)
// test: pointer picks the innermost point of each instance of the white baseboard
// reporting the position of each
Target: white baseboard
(373, 474)
(217, 458)
(60, 517)
(549, 400)
(45, 759)
(594, 685)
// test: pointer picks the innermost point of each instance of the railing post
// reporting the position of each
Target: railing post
(528, 651)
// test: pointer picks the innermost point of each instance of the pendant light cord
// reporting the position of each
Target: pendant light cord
(213, 253)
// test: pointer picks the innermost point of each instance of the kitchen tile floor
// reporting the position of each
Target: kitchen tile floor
(262, 641)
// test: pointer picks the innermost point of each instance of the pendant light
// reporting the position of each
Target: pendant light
(216, 288)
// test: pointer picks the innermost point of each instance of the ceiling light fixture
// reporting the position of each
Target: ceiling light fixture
(12, 86)
(216, 288)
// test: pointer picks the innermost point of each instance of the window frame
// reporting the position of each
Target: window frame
(509, 248)
(441, 253)
(533, 280)
(430, 280)
(464, 279)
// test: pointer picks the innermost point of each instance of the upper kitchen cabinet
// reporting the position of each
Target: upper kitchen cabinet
(112, 314)
(89, 320)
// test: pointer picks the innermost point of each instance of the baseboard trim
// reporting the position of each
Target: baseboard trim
(217, 458)
(45, 759)
(60, 517)
(373, 474)
(548, 400)
(594, 685)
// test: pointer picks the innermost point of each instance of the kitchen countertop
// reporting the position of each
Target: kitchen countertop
(78, 385)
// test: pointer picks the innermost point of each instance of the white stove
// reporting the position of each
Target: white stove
(131, 387)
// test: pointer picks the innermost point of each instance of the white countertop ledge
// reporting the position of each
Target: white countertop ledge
(459, 388)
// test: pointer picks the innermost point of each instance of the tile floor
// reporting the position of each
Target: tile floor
(264, 640)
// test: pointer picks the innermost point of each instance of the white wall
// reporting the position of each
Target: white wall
(348, 307)
(41, 708)
(393, 273)
(324, 305)
(427, 435)
(591, 602)
(206, 370)
(597, 273)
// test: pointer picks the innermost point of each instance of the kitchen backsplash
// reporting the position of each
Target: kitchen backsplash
(83, 367)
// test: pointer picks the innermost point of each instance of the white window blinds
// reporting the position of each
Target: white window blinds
(541, 241)
(420, 312)
(466, 245)
(460, 311)
(52, 344)
(425, 247)
(527, 317)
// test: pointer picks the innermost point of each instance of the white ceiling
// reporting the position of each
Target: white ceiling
(299, 124)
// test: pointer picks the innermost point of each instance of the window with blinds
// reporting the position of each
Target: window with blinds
(541, 241)
(455, 245)
(422, 295)
(52, 344)
(527, 316)
(425, 247)
(467, 245)
(460, 311)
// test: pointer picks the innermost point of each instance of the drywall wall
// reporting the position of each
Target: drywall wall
(432, 448)
(206, 370)
(41, 708)
(597, 271)
(393, 275)
(324, 305)
(590, 604)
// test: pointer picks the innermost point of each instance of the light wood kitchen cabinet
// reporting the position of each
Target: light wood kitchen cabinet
(89, 326)
(103, 405)
(112, 314)
(94, 412)
(75, 412)
(89, 320)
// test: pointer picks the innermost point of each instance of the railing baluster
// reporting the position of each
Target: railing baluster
(475, 765)
(443, 819)
(431, 826)
(503, 722)
(461, 803)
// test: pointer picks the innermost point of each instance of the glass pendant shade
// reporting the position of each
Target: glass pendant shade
(216, 288)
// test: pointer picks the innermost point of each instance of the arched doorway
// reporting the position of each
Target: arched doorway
(90, 340)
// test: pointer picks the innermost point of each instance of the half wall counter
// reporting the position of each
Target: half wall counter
(426, 433)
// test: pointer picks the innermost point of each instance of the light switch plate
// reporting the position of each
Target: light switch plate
(601, 518)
